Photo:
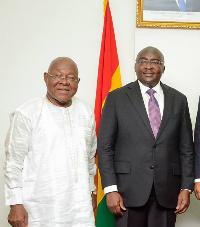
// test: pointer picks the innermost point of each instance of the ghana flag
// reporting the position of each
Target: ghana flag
(109, 78)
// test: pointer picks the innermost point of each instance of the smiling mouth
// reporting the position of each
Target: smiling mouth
(63, 90)
(149, 73)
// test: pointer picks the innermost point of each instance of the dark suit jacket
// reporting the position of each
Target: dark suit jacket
(131, 158)
(197, 144)
(170, 5)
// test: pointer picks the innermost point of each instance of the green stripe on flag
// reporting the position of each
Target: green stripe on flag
(104, 217)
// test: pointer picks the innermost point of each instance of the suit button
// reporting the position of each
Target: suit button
(155, 146)
(151, 167)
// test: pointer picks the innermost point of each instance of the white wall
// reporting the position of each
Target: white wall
(35, 32)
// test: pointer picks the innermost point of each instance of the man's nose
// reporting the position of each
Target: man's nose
(149, 65)
(64, 81)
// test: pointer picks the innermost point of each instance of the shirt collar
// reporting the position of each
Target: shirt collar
(144, 88)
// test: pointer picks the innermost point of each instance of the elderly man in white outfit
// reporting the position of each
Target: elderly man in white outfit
(50, 148)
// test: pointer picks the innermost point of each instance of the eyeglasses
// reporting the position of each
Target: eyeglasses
(154, 63)
(58, 78)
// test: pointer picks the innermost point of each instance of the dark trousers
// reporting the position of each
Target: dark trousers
(152, 214)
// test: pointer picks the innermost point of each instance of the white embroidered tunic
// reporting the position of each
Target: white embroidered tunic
(50, 164)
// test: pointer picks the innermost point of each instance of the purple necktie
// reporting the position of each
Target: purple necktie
(154, 112)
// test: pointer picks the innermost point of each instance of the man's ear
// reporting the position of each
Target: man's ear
(163, 69)
(45, 77)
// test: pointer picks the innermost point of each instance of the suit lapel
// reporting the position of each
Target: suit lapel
(135, 96)
(168, 103)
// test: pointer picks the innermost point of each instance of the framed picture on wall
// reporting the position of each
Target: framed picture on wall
(168, 14)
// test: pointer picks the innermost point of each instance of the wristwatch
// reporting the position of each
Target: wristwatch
(93, 192)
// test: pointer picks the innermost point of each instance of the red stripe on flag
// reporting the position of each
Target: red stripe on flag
(108, 63)
(108, 77)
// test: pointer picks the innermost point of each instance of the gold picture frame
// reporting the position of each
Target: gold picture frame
(166, 19)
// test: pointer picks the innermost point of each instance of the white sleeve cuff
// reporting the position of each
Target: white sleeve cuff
(13, 196)
(190, 191)
(111, 188)
(92, 185)
(197, 180)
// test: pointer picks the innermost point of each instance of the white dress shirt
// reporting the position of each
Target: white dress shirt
(158, 95)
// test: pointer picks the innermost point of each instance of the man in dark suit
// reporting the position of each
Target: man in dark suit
(145, 148)
(171, 5)
(197, 154)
